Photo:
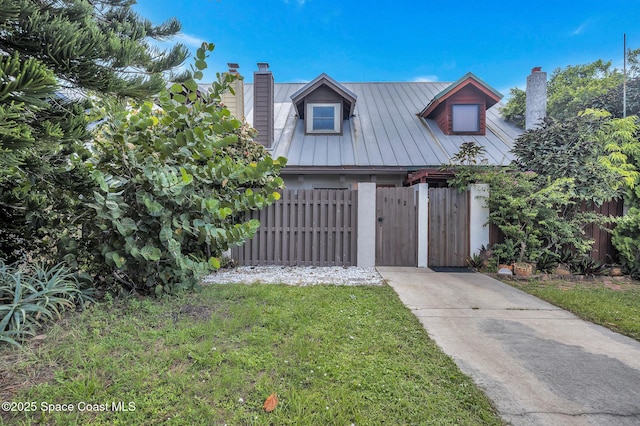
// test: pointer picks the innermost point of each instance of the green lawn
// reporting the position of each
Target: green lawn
(616, 306)
(333, 355)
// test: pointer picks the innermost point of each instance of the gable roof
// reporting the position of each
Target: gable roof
(384, 132)
(492, 95)
(324, 80)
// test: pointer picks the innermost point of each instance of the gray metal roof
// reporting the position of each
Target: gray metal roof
(385, 130)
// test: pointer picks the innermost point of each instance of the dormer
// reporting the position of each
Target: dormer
(324, 104)
(460, 109)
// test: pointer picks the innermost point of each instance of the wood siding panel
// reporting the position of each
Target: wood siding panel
(305, 227)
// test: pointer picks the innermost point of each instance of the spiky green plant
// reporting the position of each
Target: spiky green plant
(33, 294)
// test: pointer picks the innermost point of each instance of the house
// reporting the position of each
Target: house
(374, 138)
(337, 134)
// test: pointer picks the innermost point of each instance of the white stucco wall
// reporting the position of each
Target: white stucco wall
(366, 256)
(478, 218)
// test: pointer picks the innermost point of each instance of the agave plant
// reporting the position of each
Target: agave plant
(33, 294)
(584, 265)
(547, 262)
(475, 262)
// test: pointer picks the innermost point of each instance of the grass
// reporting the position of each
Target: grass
(333, 355)
(612, 305)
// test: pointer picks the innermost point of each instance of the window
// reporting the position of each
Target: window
(465, 118)
(323, 118)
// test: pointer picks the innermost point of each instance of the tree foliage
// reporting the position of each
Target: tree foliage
(100, 45)
(531, 212)
(600, 153)
(612, 101)
(515, 108)
(575, 86)
(175, 179)
(587, 139)
(559, 168)
(619, 138)
(54, 55)
(470, 153)
(571, 148)
(626, 237)
(54, 52)
(569, 90)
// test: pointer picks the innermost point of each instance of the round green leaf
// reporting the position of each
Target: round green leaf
(214, 262)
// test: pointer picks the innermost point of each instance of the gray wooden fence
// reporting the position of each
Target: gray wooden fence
(603, 249)
(306, 227)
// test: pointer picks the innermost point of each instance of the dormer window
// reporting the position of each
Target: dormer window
(324, 105)
(323, 117)
(461, 108)
(465, 118)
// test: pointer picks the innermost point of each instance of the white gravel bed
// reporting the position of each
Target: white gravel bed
(297, 275)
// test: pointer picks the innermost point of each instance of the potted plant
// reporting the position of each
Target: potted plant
(523, 269)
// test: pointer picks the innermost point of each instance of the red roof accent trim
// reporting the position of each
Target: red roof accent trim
(421, 176)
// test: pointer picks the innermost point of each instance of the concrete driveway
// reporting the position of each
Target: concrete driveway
(539, 364)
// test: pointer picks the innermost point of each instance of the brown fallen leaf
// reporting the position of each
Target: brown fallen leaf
(270, 403)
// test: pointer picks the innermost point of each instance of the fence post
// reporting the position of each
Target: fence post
(478, 217)
(366, 224)
(423, 224)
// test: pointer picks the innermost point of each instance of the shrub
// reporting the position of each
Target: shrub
(626, 238)
(537, 212)
(547, 263)
(531, 216)
(475, 262)
(33, 294)
(584, 265)
(175, 178)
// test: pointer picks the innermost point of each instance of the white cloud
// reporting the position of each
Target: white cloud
(579, 30)
(298, 2)
(425, 79)
(189, 40)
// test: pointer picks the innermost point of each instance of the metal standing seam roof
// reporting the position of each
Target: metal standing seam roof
(384, 131)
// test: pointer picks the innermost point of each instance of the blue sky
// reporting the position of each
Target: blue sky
(499, 41)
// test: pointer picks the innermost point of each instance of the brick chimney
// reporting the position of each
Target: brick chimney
(536, 98)
(235, 102)
(263, 108)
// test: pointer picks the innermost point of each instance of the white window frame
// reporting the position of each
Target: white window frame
(465, 130)
(337, 117)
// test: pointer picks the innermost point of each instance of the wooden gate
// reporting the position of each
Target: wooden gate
(448, 227)
(397, 227)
